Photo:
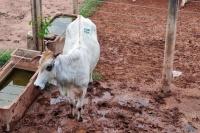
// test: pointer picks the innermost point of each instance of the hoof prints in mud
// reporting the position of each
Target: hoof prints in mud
(105, 111)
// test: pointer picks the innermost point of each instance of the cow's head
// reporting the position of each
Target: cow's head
(46, 68)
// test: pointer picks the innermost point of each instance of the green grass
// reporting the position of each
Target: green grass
(88, 7)
(5, 57)
(97, 76)
(48, 86)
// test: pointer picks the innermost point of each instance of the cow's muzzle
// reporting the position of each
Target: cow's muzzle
(37, 87)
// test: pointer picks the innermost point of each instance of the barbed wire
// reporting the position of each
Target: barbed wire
(139, 27)
(137, 36)
(145, 47)
(121, 3)
(84, 7)
(11, 49)
(195, 1)
(174, 79)
(141, 6)
(142, 16)
(143, 27)
(13, 45)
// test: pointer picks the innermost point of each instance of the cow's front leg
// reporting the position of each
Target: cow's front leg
(72, 106)
(79, 105)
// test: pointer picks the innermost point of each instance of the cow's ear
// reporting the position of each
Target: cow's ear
(36, 58)
(55, 55)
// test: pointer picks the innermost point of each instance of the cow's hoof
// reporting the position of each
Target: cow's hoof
(80, 119)
(70, 116)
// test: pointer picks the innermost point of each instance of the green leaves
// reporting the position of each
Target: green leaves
(43, 29)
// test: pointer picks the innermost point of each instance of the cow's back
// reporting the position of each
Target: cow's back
(82, 34)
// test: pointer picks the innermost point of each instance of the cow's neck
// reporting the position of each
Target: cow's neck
(65, 67)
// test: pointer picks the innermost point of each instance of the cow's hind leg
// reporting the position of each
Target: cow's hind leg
(80, 104)
(91, 79)
(72, 106)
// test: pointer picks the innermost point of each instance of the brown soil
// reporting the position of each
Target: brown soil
(128, 99)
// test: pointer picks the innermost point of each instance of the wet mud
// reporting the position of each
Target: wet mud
(128, 99)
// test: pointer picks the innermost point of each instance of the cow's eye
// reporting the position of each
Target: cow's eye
(49, 67)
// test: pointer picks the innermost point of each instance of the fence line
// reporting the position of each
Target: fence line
(146, 17)
(133, 5)
(152, 37)
(132, 45)
(11, 48)
(141, 6)
(132, 26)
(146, 47)
(84, 6)
(143, 27)
(195, 1)
(118, 23)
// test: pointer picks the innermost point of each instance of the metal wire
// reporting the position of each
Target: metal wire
(143, 27)
(12, 46)
(149, 27)
(142, 16)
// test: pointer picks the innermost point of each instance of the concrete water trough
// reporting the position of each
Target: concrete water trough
(16, 87)
(59, 23)
(22, 59)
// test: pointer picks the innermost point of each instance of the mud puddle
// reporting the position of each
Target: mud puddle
(102, 113)
(106, 96)
(189, 129)
(128, 100)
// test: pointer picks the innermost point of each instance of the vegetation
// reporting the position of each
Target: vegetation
(88, 7)
(97, 76)
(5, 57)
(48, 86)
(43, 29)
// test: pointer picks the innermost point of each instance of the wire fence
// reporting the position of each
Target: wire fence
(142, 30)
(187, 35)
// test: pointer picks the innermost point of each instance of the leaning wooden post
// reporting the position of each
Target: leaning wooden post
(36, 11)
(75, 7)
(169, 45)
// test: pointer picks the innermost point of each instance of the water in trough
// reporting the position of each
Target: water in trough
(13, 85)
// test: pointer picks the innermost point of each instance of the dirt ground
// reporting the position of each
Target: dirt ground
(128, 98)
(15, 17)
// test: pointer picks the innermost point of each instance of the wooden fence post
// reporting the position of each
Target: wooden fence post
(75, 7)
(36, 11)
(169, 45)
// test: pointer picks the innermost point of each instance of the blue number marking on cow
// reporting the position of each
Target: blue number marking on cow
(86, 31)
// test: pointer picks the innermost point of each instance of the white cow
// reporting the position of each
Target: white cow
(72, 70)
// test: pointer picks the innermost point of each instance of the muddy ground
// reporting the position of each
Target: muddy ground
(128, 98)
